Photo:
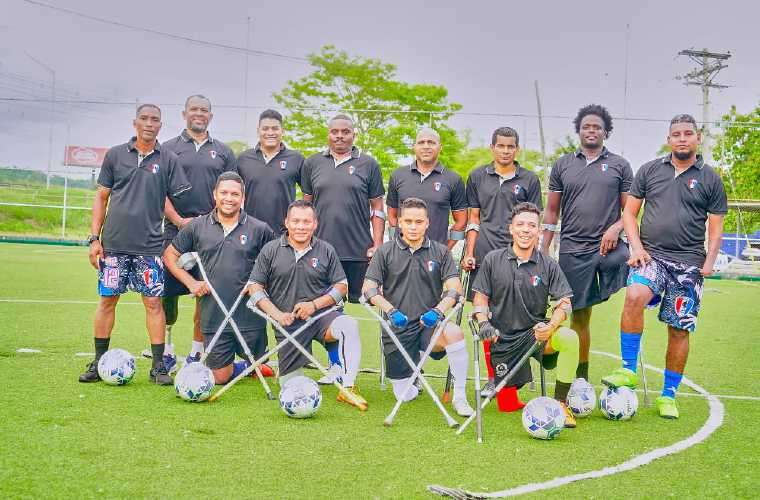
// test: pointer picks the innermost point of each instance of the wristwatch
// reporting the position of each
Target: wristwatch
(91, 238)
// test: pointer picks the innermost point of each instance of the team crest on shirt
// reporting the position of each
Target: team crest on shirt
(314, 262)
(283, 164)
(154, 168)
(605, 167)
(432, 265)
(212, 153)
(437, 186)
(683, 305)
(351, 170)
(150, 277)
(243, 239)
(693, 183)
(535, 280)
(516, 189)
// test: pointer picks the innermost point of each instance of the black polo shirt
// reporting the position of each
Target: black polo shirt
(590, 197)
(341, 198)
(289, 278)
(495, 198)
(519, 293)
(412, 281)
(442, 190)
(202, 166)
(138, 192)
(270, 186)
(676, 208)
(228, 261)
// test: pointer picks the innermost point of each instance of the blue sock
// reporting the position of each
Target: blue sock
(332, 353)
(672, 381)
(239, 367)
(629, 349)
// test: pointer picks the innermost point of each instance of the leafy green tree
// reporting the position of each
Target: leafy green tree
(387, 112)
(238, 147)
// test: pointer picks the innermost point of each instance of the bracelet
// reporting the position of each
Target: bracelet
(314, 303)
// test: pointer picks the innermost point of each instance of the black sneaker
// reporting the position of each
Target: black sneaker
(91, 375)
(160, 375)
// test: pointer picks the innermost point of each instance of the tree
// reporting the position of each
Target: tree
(238, 147)
(386, 111)
(737, 150)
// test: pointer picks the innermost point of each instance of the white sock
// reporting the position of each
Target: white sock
(197, 348)
(346, 330)
(458, 364)
(398, 387)
(168, 349)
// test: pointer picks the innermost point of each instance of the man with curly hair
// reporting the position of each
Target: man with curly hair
(589, 188)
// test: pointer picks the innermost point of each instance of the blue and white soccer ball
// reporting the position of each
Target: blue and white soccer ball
(543, 418)
(194, 382)
(618, 403)
(581, 398)
(117, 367)
(300, 397)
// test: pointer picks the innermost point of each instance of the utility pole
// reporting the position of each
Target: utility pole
(51, 71)
(709, 65)
(541, 134)
(245, 79)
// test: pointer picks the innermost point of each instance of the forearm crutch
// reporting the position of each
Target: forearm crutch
(389, 331)
(446, 397)
(476, 355)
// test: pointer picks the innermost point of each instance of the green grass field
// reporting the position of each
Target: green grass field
(63, 439)
(47, 222)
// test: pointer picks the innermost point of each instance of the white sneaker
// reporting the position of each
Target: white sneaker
(147, 353)
(488, 391)
(462, 407)
(334, 374)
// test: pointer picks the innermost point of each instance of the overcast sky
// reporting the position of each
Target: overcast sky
(486, 53)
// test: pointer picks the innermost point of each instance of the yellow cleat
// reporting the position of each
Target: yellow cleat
(569, 416)
(351, 396)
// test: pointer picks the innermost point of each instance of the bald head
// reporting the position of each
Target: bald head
(428, 133)
(427, 147)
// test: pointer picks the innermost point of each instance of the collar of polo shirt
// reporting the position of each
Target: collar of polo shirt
(699, 163)
(133, 141)
(298, 253)
(241, 220)
(355, 153)
(602, 154)
(404, 246)
(188, 138)
(437, 168)
(511, 255)
(491, 170)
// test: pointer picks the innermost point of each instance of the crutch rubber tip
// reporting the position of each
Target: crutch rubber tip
(271, 397)
(387, 422)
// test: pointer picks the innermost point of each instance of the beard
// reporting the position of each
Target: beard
(197, 128)
(683, 155)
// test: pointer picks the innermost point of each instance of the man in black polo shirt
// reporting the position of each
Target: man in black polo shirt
(441, 189)
(589, 187)
(492, 191)
(203, 160)
(512, 292)
(346, 187)
(668, 260)
(420, 282)
(270, 171)
(228, 241)
(294, 277)
(134, 182)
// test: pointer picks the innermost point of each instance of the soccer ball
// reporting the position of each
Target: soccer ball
(300, 397)
(581, 398)
(618, 403)
(543, 418)
(194, 382)
(116, 367)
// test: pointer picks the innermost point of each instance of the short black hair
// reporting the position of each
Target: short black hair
(230, 176)
(597, 110)
(301, 204)
(525, 206)
(413, 203)
(684, 118)
(147, 105)
(505, 132)
(341, 116)
(272, 114)
(198, 96)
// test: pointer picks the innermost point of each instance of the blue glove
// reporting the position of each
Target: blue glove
(398, 319)
(431, 318)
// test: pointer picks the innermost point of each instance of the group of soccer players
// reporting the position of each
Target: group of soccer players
(294, 258)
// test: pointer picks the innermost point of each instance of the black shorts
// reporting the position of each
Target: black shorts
(504, 355)
(289, 357)
(174, 287)
(223, 353)
(414, 338)
(595, 278)
(355, 271)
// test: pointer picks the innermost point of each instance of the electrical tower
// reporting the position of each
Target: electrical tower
(709, 65)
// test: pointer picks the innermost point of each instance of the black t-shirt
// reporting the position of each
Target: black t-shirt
(136, 205)
(676, 208)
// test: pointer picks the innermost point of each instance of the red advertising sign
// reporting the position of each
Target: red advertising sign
(84, 156)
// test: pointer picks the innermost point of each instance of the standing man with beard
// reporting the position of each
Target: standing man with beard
(589, 187)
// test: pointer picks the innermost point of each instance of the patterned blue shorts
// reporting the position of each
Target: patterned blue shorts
(677, 288)
(121, 272)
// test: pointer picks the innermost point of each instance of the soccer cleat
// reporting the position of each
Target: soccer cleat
(462, 407)
(193, 358)
(266, 371)
(488, 390)
(355, 399)
(667, 407)
(622, 377)
(570, 422)
(160, 376)
(334, 374)
(91, 374)
(147, 353)
(418, 385)
(170, 362)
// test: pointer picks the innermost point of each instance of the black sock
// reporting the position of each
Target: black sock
(582, 370)
(158, 354)
(560, 390)
(101, 346)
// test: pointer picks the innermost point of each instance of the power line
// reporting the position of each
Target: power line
(169, 35)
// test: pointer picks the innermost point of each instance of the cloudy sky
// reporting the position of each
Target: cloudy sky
(486, 53)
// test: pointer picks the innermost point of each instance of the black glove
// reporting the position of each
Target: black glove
(486, 331)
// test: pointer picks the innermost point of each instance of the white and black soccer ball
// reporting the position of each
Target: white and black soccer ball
(194, 382)
(117, 367)
(618, 403)
(581, 398)
(300, 397)
(543, 418)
